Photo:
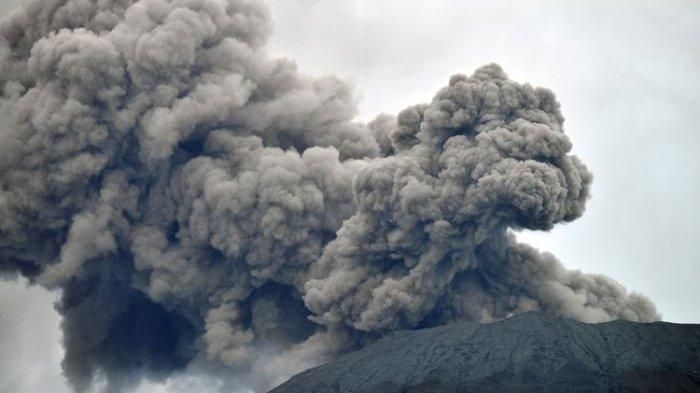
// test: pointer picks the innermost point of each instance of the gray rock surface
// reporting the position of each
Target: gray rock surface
(526, 353)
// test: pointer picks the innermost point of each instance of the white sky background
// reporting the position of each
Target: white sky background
(627, 74)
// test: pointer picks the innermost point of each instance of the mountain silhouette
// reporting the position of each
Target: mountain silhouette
(531, 352)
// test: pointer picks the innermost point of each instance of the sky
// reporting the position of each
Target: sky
(624, 72)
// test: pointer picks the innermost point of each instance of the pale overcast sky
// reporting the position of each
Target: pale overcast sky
(625, 72)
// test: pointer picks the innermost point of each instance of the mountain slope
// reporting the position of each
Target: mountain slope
(529, 352)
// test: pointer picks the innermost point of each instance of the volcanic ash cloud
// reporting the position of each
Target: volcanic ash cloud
(199, 202)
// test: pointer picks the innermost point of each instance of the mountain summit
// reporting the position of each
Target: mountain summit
(525, 353)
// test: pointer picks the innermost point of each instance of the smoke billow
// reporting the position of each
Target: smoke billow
(200, 202)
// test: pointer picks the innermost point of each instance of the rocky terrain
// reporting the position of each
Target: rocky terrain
(526, 353)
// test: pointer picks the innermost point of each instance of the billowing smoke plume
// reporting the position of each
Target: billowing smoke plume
(199, 202)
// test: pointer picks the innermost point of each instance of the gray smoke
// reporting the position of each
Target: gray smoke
(199, 202)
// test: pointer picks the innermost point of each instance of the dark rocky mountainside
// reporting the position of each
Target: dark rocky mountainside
(531, 352)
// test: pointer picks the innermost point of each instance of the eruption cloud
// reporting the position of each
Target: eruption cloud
(199, 202)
